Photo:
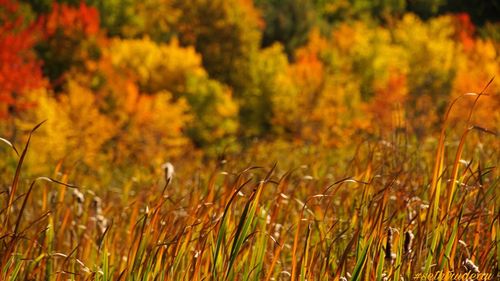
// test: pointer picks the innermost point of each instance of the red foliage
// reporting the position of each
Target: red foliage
(465, 30)
(69, 34)
(83, 19)
(20, 70)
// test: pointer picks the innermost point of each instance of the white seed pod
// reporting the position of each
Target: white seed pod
(79, 199)
(97, 205)
(169, 171)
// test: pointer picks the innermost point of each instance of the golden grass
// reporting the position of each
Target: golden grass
(387, 216)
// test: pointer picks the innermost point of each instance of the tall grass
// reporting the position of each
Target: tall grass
(388, 216)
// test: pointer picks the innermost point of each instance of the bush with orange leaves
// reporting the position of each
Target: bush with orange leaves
(20, 70)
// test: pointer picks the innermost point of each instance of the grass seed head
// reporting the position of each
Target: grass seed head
(101, 223)
(169, 171)
(79, 199)
(97, 205)
(389, 256)
(470, 266)
(408, 242)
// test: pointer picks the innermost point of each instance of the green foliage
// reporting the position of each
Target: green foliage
(427, 8)
(287, 22)
(216, 114)
(225, 33)
(256, 106)
(117, 16)
(133, 18)
(335, 11)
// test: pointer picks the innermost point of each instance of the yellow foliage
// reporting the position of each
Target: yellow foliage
(156, 66)
(178, 71)
(152, 132)
(430, 51)
(150, 125)
(143, 128)
(373, 78)
(75, 130)
(331, 118)
(146, 101)
(299, 87)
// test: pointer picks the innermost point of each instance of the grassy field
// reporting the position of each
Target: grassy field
(249, 140)
(395, 209)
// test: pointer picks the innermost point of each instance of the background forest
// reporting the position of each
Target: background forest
(138, 83)
(328, 89)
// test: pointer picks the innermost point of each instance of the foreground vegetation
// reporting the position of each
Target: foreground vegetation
(385, 215)
(319, 149)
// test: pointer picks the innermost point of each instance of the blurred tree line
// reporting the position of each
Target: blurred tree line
(124, 81)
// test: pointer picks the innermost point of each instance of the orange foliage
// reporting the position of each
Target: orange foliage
(386, 107)
(69, 20)
(308, 69)
(474, 70)
(148, 126)
(299, 88)
(154, 128)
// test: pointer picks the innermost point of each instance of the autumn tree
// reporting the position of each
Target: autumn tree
(70, 38)
(431, 54)
(225, 33)
(472, 78)
(20, 70)
(288, 22)
(333, 12)
(137, 18)
(74, 132)
(314, 104)
(177, 70)
(88, 130)
(299, 88)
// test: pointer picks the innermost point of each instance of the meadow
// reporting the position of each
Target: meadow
(227, 140)
(392, 212)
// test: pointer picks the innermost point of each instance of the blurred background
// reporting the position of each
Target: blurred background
(126, 84)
